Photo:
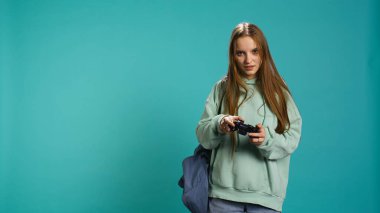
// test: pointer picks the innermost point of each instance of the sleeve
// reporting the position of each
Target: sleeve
(208, 133)
(277, 146)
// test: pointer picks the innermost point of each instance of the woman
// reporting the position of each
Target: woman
(249, 173)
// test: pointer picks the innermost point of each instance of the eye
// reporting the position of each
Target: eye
(255, 51)
(239, 53)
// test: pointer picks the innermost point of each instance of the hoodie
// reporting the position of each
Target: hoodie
(253, 174)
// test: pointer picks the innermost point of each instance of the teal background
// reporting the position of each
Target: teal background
(100, 99)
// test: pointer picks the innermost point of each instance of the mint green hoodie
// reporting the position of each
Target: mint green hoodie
(257, 175)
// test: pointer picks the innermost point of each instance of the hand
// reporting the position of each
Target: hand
(227, 122)
(257, 138)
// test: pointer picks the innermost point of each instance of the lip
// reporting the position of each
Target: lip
(249, 67)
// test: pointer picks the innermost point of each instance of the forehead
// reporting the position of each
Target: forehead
(245, 43)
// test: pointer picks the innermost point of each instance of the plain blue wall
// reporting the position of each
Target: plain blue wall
(100, 99)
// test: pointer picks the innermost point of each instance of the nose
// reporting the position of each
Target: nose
(248, 58)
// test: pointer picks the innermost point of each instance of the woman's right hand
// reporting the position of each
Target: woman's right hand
(227, 122)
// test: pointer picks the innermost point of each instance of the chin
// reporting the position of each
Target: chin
(251, 73)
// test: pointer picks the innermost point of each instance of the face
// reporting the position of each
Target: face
(247, 57)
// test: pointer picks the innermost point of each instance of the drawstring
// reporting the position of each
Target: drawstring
(265, 112)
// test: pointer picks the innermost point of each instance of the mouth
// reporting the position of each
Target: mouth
(249, 67)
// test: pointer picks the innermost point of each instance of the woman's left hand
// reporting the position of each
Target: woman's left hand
(257, 138)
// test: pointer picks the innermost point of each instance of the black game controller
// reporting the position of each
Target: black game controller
(243, 129)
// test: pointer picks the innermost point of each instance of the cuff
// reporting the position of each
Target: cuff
(217, 119)
(268, 135)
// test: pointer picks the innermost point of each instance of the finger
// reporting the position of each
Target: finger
(236, 118)
(225, 129)
(262, 128)
(254, 135)
(228, 121)
(261, 135)
(256, 141)
(240, 118)
(262, 132)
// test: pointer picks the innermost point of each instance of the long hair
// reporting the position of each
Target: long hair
(268, 80)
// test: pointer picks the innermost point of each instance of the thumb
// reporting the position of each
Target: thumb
(240, 118)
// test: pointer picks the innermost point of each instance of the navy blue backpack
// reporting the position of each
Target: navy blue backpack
(195, 180)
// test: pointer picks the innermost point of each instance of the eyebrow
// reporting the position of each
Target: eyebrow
(237, 50)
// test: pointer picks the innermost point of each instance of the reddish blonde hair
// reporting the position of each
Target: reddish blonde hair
(269, 81)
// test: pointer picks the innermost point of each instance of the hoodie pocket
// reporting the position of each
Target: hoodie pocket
(276, 182)
(211, 168)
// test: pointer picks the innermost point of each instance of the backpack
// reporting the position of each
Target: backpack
(195, 180)
(195, 177)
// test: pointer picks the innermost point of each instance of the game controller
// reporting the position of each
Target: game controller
(243, 129)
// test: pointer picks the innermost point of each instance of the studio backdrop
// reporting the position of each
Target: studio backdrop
(99, 100)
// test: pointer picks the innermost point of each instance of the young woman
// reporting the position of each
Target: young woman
(249, 173)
